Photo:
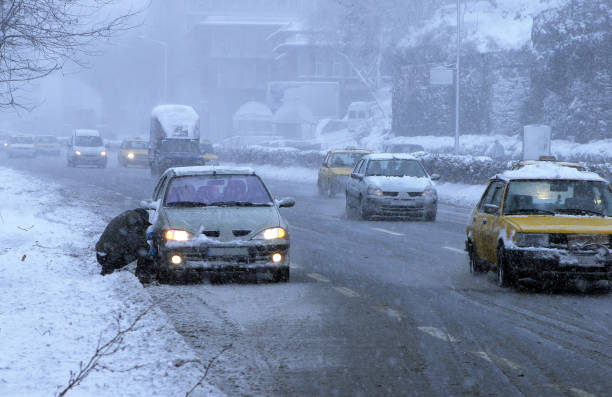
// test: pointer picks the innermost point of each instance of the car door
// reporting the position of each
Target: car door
(492, 220)
(323, 171)
(478, 221)
(352, 184)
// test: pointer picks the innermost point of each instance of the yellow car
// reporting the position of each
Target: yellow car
(543, 221)
(133, 152)
(47, 144)
(208, 152)
(336, 168)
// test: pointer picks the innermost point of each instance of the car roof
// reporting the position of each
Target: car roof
(211, 170)
(85, 132)
(548, 170)
(390, 156)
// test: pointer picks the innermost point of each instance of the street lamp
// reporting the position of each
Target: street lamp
(165, 47)
(457, 79)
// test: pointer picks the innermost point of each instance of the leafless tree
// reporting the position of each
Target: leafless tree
(38, 37)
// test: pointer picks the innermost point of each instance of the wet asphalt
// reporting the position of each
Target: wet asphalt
(373, 308)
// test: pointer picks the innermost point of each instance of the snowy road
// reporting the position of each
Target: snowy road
(373, 308)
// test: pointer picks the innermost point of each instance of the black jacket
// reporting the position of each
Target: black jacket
(124, 239)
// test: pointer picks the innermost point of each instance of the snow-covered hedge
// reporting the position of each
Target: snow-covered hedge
(452, 168)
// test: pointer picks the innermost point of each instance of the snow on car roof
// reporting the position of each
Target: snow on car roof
(390, 156)
(86, 132)
(209, 170)
(548, 170)
(172, 116)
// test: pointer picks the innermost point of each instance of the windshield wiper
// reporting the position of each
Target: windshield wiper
(186, 204)
(239, 204)
(579, 211)
(530, 211)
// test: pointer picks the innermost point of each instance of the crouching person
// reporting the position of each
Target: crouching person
(124, 241)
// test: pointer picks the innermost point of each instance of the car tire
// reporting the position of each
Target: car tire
(330, 190)
(349, 210)
(320, 188)
(363, 213)
(473, 260)
(504, 275)
(281, 275)
(430, 216)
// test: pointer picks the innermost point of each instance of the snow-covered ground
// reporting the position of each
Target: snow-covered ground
(55, 308)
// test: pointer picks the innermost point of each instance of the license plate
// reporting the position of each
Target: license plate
(581, 261)
(229, 251)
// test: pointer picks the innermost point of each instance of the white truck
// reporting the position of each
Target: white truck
(174, 138)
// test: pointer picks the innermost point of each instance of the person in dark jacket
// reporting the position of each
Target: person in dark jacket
(123, 241)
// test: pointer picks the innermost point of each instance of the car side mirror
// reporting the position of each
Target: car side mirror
(356, 176)
(286, 202)
(147, 205)
(435, 177)
(491, 209)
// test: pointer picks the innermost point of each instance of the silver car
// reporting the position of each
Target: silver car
(214, 221)
(21, 146)
(391, 185)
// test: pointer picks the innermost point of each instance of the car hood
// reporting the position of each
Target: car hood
(135, 151)
(90, 149)
(560, 224)
(399, 184)
(223, 219)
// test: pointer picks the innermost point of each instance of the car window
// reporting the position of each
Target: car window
(486, 197)
(395, 168)
(158, 188)
(136, 145)
(493, 195)
(345, 160)
(216, 190)
(88, 141)
(358, 166)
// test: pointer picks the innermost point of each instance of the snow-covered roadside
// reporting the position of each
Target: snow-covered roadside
(55, 308)
(458, 194)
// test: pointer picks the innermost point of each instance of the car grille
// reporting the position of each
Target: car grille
(397, 210)
(579, 241)
(211, 233)
(257, 254)
(241, 233)
(395, 194)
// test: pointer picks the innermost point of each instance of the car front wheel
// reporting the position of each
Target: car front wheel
(282, 274)
(504, 275)
(363, 211)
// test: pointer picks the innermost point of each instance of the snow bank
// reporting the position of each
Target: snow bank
(55, 308)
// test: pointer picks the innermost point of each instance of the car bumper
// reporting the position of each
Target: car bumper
(137, 160)
(89, 160)
(226, 258)
(48, 150)
(415, 207)
(559, 264)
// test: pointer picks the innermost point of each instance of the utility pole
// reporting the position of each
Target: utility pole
(457, 68)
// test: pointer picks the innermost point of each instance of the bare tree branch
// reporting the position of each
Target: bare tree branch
(208, 367)
(38, 37)
(108, 348)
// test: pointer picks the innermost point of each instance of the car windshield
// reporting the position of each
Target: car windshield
(396, 168)
(345, 160)
(180, 145)
(21, 139)
(206, 148)
(217, 190)
(88, 140)
(136, 145)
(46, 139)
(565, 197)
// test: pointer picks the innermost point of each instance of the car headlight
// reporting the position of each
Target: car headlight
(532, 239)
(102, 153)
(272, 233)
(430, 192)
(130, 156)
(77, 152)
(177, 235)
(374, 191)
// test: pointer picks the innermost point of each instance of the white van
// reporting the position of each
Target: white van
(358, 116)
(86, 148)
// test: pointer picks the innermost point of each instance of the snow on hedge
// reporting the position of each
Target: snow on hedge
(56, 308)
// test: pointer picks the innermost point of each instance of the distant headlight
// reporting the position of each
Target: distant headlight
(177, 235)
(374, 191)
(532, 240)
(130, 156)
(272, 233)
(5, 144)
(102, 153)
(77, 152)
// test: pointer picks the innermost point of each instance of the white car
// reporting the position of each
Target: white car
(391, 185)
(21, 146)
